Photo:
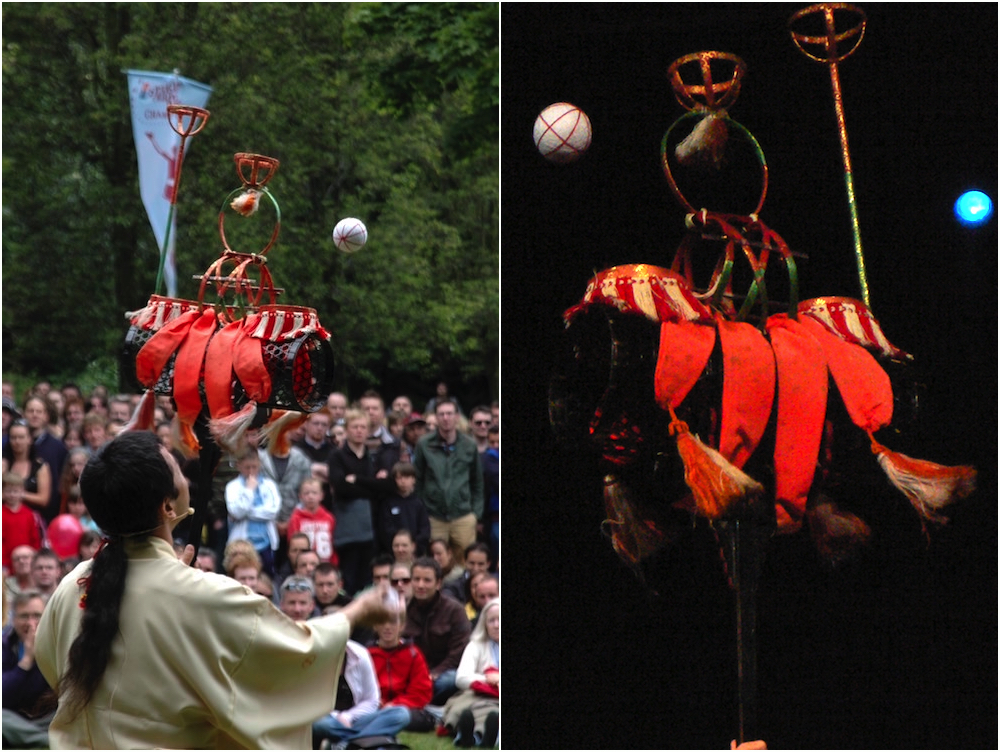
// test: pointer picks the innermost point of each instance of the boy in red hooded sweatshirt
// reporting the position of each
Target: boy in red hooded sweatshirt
(313, 520)
(403, 677)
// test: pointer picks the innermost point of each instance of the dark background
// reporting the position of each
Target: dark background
(895, 651)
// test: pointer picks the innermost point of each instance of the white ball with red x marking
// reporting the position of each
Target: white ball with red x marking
(350, 234)
(562, 132)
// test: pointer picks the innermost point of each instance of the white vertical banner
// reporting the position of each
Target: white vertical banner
(157, 148)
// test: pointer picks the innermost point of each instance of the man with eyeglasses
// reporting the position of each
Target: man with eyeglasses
(450, 480)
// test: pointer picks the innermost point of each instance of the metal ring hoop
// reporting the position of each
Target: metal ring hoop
(222, 220)
(831, 38)
(664, 155)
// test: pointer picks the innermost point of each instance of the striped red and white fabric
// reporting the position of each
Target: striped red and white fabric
(283, 323)
(658, 294)
(159, 311)
(851, 320)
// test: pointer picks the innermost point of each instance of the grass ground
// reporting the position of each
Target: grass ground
(427, 740)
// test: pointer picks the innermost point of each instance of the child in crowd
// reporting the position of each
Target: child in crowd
(22, 526)
(311, 518)
(253, 502)
(403, 677)
(404, 510)
(75, 506)
(403, 547)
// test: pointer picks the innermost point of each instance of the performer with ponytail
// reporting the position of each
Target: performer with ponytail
(146, 651)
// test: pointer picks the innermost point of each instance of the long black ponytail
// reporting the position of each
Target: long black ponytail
(123, 486)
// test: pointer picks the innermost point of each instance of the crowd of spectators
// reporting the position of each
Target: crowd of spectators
(362, 494)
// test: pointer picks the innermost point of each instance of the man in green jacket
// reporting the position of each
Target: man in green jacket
(450, 480)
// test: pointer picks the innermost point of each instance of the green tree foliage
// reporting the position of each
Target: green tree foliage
(388, 113)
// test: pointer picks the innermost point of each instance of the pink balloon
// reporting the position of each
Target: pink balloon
(64, 535)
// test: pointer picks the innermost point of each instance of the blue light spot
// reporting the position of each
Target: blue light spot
(973, 208)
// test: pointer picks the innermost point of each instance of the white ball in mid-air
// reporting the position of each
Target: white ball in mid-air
(350, 234)
(562, 132)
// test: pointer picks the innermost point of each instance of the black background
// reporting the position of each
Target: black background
(895, 651)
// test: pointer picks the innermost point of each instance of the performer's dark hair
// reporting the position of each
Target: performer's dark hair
(123, 486)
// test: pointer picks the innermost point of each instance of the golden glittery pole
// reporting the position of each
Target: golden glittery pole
(827, 42)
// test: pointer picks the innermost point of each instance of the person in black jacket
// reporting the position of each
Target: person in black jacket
(359, 486)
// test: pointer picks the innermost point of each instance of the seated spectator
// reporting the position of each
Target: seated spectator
(89, 543)
(401, 578)
(265, 586)
(298, 598)
(45, 571)
(403, 680)
(473, 715)
(206, 560)
(75, 506)
(306, 563)
(477, 559)
(297, 543)
(357, 704)
(20, 578)
(25, 719)
(329, 587)
(237, 548)
(437, 625)
(244, 567)
(313, 520)
(404, 510)
(381, 567)
(484, 591)
(442, 554)
(471, 609)
(403, 547)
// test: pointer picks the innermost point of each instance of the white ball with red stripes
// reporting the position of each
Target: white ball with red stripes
(562, 133)
(350, 235)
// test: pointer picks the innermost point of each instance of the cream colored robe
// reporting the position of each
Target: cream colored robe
(201, 662)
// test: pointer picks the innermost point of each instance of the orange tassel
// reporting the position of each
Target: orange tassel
(230, 432)
(184, 438)
(929, 487)
(718, 486)
(142, 418)
(246, 203)
(633, 538)
(276, 432)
